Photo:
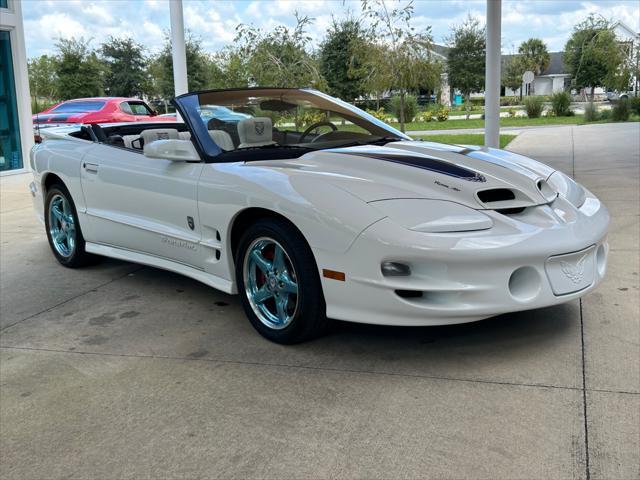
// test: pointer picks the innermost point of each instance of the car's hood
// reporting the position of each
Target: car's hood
(477, 177)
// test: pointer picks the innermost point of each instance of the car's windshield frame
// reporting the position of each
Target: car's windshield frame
(190, 106)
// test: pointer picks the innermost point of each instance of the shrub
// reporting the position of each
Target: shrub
(379, 113)
(590, 112)
(534, 106)
(621, 110)
(634, 103)
(427, 116)
(511, 112)
(603, 115)
(310, 117)
(561, 104)
(509, 101)
(410, 107)
(442, 114)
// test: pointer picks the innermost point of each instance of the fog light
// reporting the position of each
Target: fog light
(524, 284)
(395, 269)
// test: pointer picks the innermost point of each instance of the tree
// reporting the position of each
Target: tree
(466, 58)
(125, 62)
(401, 58)
(78, 70)
(341, 61)
(231, 69)
(42, 77)
(594, 57)
(199, 68)
(534, 56)
(512, 71)
(279, 58)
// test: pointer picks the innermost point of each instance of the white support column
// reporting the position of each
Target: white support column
(178, 49)
(11, 21)
(492, 75)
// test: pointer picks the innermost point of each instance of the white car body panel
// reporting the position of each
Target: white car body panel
(355, 211)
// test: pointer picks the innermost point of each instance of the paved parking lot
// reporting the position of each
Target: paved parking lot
(122, 371)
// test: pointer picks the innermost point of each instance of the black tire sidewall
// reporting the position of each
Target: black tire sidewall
(310, 318)
(78, 256)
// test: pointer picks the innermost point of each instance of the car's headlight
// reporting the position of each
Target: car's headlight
(567, 188)
(436, 216)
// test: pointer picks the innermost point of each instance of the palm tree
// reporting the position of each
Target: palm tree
(534, 55)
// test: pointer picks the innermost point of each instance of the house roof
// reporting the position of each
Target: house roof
(440, 49)
(556, 63)
(625, 27)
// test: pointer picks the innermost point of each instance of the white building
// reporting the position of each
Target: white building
(553, 79)
(630, 41)
(16, 129)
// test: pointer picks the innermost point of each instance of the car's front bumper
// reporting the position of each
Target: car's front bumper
(462, 277)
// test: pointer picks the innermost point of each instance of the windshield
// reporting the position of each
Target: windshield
(251, 119)
(79, 107)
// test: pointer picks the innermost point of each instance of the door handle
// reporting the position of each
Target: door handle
(90, 167)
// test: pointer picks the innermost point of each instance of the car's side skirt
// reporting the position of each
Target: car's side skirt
(136, 257)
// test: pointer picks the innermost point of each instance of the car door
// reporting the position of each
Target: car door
(139, 111)
(143, 204)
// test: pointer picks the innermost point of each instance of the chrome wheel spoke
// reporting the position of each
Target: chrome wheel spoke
(281, 307)
(262, 294)
(288, 285)
(278, 259)
(262, 263)
(65, 208)
(57, 213)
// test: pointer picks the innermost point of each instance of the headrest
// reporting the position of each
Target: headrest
(255, 131)
(154, 134)
(222, 139)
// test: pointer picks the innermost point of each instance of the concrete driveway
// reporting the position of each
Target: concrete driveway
(121, 371)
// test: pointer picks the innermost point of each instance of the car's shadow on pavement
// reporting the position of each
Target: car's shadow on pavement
(154, 313)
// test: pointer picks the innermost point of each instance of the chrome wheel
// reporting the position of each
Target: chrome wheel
(270, 282)
(62, 227)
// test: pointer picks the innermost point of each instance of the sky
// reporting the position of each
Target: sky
(146, 21)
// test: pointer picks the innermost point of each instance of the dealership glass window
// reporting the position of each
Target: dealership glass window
(10, 148)
(3, 4)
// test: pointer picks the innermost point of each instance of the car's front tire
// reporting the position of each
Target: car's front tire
(63, 229)
(279, 284)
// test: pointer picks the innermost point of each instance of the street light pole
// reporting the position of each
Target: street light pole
(178, 48)
(492, 75)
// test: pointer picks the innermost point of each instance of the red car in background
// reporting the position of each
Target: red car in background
(98, 110)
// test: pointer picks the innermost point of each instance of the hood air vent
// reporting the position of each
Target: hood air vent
(496, 195)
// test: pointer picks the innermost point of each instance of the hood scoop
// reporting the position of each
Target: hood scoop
(427, 163)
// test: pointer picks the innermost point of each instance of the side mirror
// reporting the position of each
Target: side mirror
(174, 150)
(154, 113)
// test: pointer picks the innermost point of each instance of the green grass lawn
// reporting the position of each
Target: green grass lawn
(504, 122)
(464, 138)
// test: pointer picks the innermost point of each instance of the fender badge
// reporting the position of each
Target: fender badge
(190, 223)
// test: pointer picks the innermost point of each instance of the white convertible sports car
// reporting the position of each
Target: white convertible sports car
(310, 209)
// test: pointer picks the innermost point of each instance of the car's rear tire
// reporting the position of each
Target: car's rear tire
(279, 284)
(63, 229)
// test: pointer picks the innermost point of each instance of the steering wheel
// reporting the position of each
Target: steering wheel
(313, 127)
